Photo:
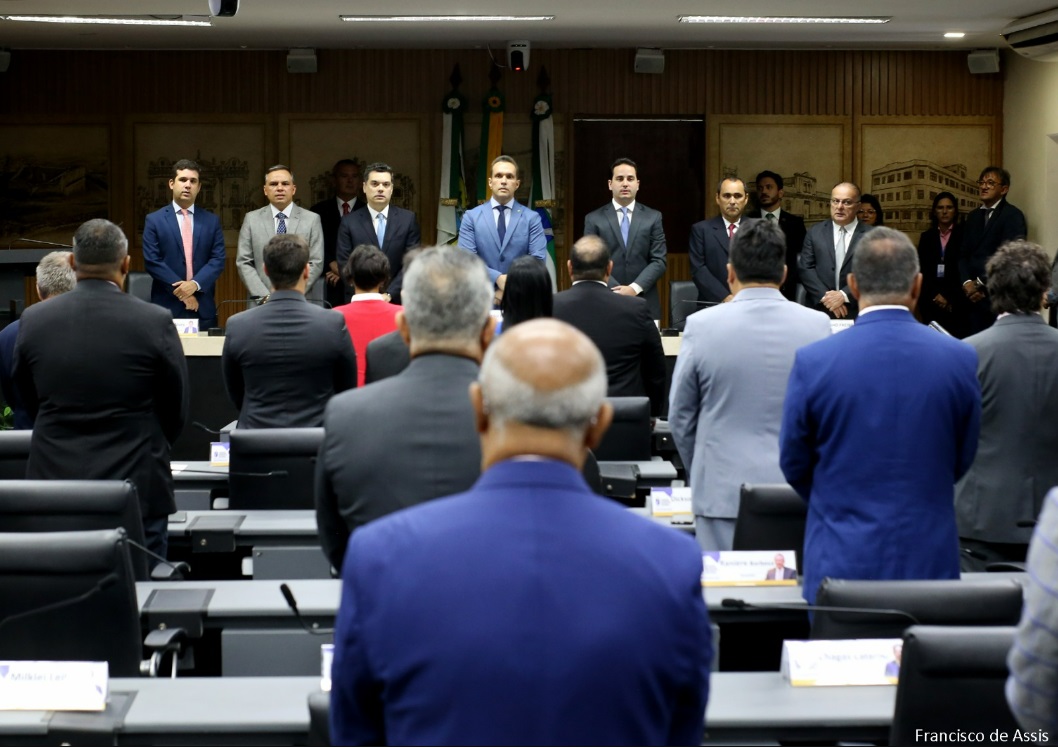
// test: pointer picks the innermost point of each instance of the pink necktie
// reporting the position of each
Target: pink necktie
(185, 232)
(730, 231)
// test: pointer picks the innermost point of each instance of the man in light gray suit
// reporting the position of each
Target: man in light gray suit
(411, 437)
(726, 402)
(1017, 368)
(826, 256)
(634, 234)
(279, 216)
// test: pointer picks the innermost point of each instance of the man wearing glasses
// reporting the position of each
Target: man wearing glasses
(827, 255)
(989, 227)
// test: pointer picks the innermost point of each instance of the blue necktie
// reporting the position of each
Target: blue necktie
(501, 224)
(624, 225)
(282, 227)
(381, 232)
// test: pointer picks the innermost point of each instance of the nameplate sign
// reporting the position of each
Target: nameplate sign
(186, 326)
(867, 661)
(53, 685)
(749, 568)
(218, 453)
(670, 501)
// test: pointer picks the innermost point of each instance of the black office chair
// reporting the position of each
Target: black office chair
(70, 596)
(952, 679)
(628, 438)
(771, 517)
(14, 454)
(683, 301)
(901, 604)
(139, 285)
(273, 467)
(74, 505)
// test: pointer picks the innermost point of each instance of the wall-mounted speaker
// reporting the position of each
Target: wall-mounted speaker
(983, 61)
(301, 61)
(650, 61)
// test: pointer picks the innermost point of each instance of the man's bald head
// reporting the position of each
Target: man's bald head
(589, 259)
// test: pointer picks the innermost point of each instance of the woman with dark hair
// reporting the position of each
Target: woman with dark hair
(942, 299)
(527, 293)
(870, 211)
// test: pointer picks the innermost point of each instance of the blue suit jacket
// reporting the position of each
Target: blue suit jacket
(163, 258)
(525, 611)
(879, 422)
(525, 235)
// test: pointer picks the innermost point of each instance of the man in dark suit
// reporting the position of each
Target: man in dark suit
(986, 229)
(285, 359)
(1017, 366)
(827, 254)
(104, 375)
(621, 327)
(769, 197)
(710, 240)
(634, 236)
(879, 423)
(174, 234)
(413, 434)
(348, 197)
(507, 614)
(392, 229)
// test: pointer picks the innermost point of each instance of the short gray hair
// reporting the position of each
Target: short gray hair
(509, 399)
(55, 275)
(99, 242)
(885, 264)
(447, 296)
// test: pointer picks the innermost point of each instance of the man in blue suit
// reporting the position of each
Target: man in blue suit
(502, 230)
(527, 610)
(879, 422)
(183, 250)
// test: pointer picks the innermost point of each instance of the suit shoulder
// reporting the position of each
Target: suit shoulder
(647, 211)
(321, 206)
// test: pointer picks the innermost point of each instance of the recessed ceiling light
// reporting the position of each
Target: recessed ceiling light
(442, 19)
(782, 19)
(121, 21)
(954, 35)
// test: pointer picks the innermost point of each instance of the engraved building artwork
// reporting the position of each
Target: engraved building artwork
(906, 191)
(226, 189)
(321, 188)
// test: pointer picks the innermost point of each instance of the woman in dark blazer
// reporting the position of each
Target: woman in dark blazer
(942, 299)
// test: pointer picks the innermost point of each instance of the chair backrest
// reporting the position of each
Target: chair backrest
(952, 680)
(38, 569)
(953, 602)
(273, 467)
(683, 301)
(628, 438)
(771, 517)
(139, 285)
(14, 454)
(74, 506)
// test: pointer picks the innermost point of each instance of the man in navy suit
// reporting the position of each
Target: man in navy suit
(526, 610)
(348, 196)
(634, 234)
(710, 240)
(770, 192)
(879, 422)
(392, 229)
(183, 250)
(502, 230)
(828, 252)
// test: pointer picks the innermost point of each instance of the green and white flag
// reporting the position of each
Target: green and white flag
(542, 195)
(453, 197)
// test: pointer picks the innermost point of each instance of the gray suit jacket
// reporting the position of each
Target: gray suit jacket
(396, 443)
(1017, 454)
(643, 260)
(817, 265)
(726, 401)
(258, 227)
(387, 356)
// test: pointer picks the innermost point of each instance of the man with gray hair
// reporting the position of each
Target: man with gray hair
(879, 423)
(506, 614)
(55, 276)
(410, 437)
(104, 375)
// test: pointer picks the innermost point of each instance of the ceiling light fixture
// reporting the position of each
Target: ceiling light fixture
(443, 19)
(783, 19)
(954, 35)
(119, 21)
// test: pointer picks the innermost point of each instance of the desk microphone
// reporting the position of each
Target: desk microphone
(101, 585)
(206, 428)
(179, 568)
(273, 473)
(43, 243)
(292, 603)
(742, 604)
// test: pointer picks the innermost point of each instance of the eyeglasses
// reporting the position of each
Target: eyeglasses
(868, 211)
(988, 183)
(847, 203)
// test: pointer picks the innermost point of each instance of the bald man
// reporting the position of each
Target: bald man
(528, 591)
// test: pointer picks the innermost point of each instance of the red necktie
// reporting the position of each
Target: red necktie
(730, 231)
(345, 209)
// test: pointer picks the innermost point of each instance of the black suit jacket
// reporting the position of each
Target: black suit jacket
(981, 239)
(284, 360)
(330, 217)
(623, 330)
(643, 261)
(707, 252)
(402, 234)
(952, 319)
(387, 356)
(105, 377)
(793, 228)
(817, 265)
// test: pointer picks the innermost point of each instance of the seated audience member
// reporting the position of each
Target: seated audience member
(285, 359)
(388, 355)
(55, 276)
(619, 325)
(526, 610)
(1017, 367)
(879, 422)
(528, 293)
(411, 437)
(369, 315)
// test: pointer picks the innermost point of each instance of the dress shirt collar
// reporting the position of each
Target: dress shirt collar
(286, 211)
(352, 204)
(375, 213)
(883, 307)
(367, 297)
(619, 207)
(765, 213)
(177, 208)
(849, 230)
(758, 293)
(493, 204)
(991, 207)
(600, 282)
(728, 224)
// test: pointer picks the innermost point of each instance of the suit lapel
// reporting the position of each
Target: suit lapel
(720, 233)
(861, 229)
(516, 217)
(615, 229)
(178, 237)
(635, 225)
(294, 219)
